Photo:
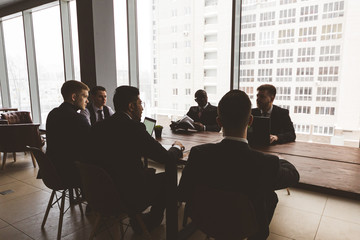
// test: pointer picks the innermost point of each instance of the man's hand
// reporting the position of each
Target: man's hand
(199, 126)
(177, 143)
(273, 138)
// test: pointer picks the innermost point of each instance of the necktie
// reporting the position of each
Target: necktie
(200, 113)
(100, 115)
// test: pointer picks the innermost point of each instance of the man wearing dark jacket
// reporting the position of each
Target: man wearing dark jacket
(232, 165)
(204, 115)
(281, 127)
(122, 141)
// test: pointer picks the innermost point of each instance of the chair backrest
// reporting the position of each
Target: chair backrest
(15, 137)
(17, 117)
(223, 214)
(99, 190)
(47, 169)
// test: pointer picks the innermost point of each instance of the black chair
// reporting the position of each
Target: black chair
(53, 181)
(222, 214)
(104, 198)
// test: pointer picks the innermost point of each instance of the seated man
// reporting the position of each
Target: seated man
(204, 115)
(97, 109)
(67, 131)
(122, 141)
(281, 126)
(231, 165)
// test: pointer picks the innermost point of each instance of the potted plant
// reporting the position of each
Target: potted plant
(158, 131)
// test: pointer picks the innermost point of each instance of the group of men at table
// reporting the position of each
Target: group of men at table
(117, 141)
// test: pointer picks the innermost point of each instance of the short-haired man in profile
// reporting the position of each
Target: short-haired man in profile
(281, 127)
(67, 131)
(123, 140)
(97, 109)
(231, 165)
(204, 115)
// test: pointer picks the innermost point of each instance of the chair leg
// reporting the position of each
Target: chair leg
(48, 208)
(143, 227)
(79, 202)
(14, 156)
(33, 159)
(185, 217)
(96, 226)
(4, 161)
(122, 230)
(61, 214)
(288, 191)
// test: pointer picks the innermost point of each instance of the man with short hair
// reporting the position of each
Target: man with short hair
(204, 115)
(97, 109)
(67, 131)
(281, 127)
(123, 140)
(232, 166)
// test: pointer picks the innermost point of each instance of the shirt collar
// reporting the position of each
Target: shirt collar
(96, 108)
(239, 139)
(268, 112)
(127, 115)
(202, 108)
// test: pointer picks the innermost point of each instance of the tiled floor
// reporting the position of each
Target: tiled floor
(302, 215)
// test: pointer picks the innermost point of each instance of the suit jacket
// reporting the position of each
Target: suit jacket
(231, 165)
(93, 114)
(120, 144)
(208, 117)
(67, 133)
(281, 124)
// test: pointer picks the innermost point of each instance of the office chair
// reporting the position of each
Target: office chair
(104, 198)
(222, 214)
(53, 181)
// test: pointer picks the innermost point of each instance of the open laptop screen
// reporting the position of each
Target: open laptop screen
(149, 124)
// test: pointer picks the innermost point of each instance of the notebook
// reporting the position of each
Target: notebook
(259, 132)
(149, 124)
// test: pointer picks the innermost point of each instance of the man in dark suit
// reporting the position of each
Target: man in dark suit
(281, 127)
(122, 141)
(97, 109)
(231, 165)
(67, 131)
(204, 115)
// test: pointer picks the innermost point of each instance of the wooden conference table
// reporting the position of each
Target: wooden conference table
(329, 168)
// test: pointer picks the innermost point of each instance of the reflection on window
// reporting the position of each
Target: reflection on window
(121, 46)
(49, 55)
(16, 63)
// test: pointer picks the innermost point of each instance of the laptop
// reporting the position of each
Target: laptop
(259, 132)
(149, 124)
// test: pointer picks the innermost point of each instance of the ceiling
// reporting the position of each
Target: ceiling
(5, 3)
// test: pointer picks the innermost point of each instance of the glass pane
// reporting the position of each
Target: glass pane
(49, 56)
(75, 40)
(16, 63)
(321, 73)
(183, 45)
(121, 46)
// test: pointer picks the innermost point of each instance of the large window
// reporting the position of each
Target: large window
(75, 40)
(184, 46)
(49, 55)
(16, 63)
(312, 60)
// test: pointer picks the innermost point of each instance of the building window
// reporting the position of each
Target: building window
(326, 94)
(187, 91)
(284, 74)
(266, 38)
(307, 34)
(305, 74)
(309, 13)
(264, 75)
(174, 76)
(175, 91)
(333, 10)
(306, 54)
(302, 109)
(267, 19)
(283, 2)
(187, 43)
(248, 40)
(331, 31)
(174, 61)
(330, 53)
(187, 11)
(285, 106)
(303, 93)
(283, 93)
(187, 75)
(211, 20)
(173, 29)
(210, 37)
(174, 45)
(248, 21)
(302, 128)
(286, 36)
(325, 111)
(248, 90)
(187, 60)
(266, 57)
(285, 55)
(287, 16)
(247, 58)
(174, 12)
(246, 75)
(323, 130)
(328, 74)
(211, 3)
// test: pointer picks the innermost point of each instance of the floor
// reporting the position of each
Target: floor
(301, 215)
